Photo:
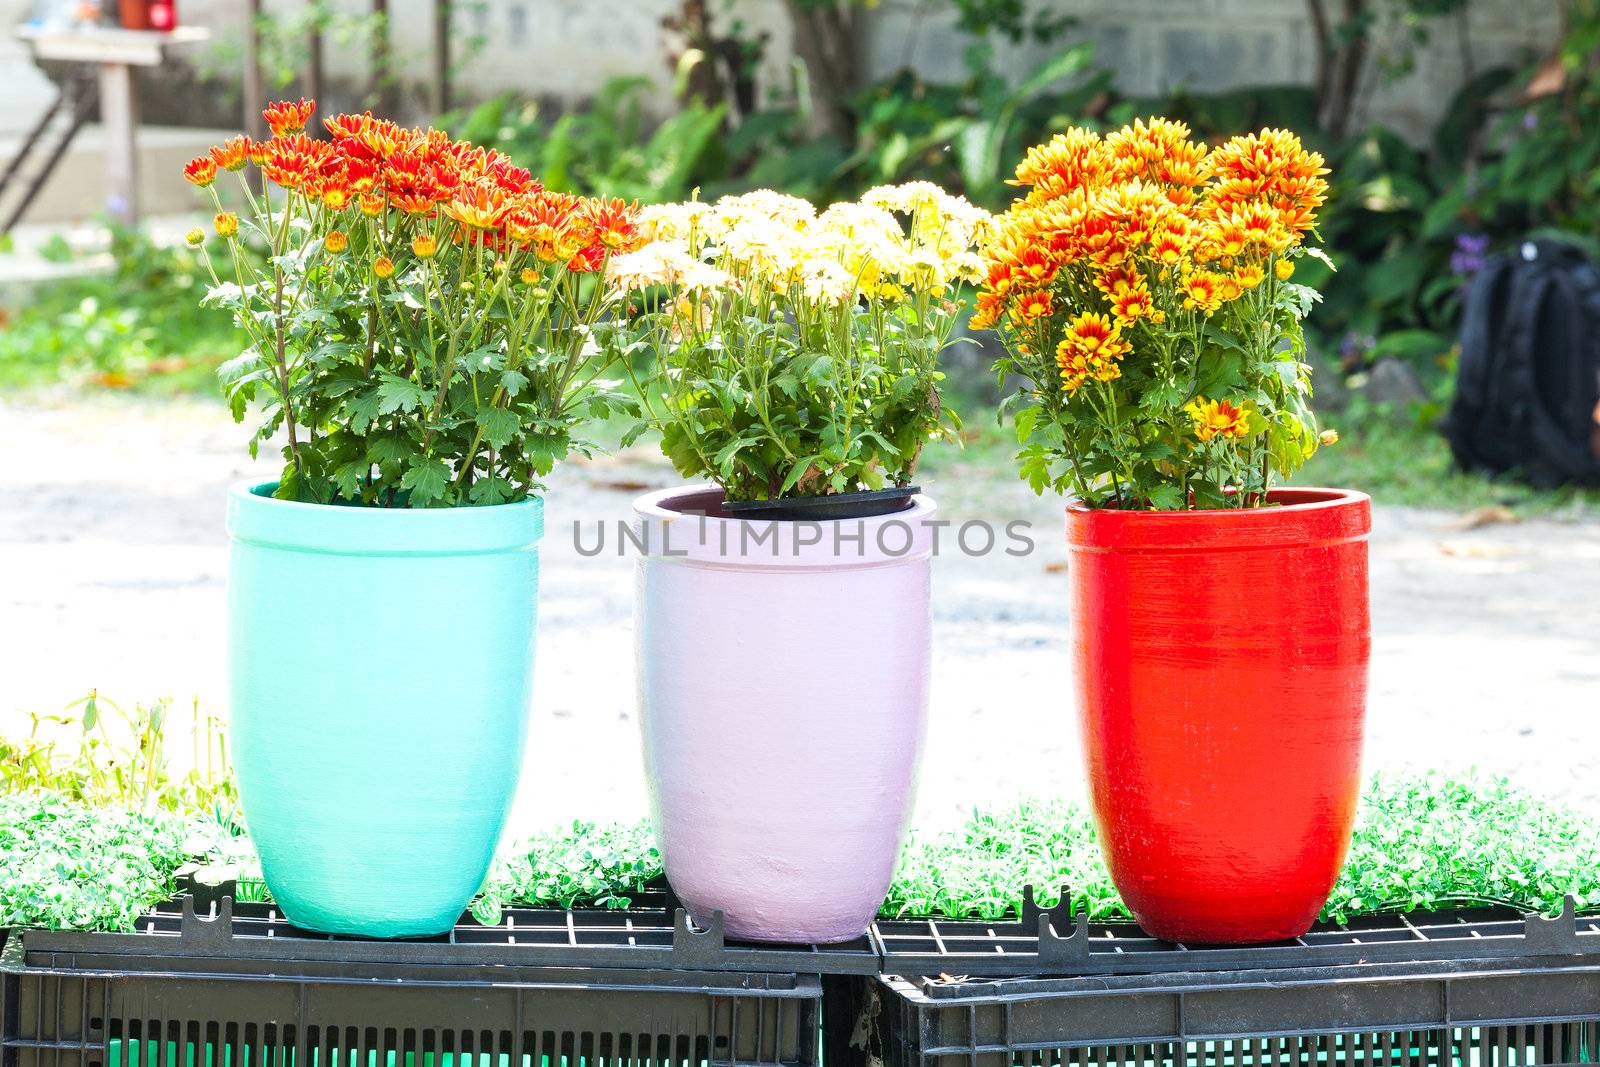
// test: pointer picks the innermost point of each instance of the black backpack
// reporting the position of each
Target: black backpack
(1529, 377)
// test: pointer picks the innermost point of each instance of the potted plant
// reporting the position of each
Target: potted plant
(1144, 290)
(421, 317)
(783, 613)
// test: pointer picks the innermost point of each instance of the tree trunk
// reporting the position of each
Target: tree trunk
(1341, 59)
(825, 38)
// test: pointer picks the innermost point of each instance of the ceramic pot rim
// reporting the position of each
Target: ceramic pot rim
(1302, 516)
(254, 516)
(667, 527)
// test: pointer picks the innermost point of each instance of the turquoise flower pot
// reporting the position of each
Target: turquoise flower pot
(381, 663)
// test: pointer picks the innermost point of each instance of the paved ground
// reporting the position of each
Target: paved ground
(113, 563)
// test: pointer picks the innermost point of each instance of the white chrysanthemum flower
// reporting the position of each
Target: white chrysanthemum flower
(657, 263)
(826, 281)
(761, 245)
(673, 222)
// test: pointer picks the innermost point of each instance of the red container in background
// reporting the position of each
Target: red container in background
(1221, 661)
(134, 14)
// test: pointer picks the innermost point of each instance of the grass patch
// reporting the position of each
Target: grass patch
(138, 326)
(1408, 462)
(1395, 459)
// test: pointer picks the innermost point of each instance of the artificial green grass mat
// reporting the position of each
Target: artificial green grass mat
(1421, 842)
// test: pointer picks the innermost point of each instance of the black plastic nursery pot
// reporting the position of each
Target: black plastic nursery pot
(132, 1000)
(860, 505)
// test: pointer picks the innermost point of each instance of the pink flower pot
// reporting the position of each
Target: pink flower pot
(783, 692)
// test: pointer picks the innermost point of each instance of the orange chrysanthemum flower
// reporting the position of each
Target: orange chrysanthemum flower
(1203, 291)
(371, 204)
(296, 160)
(478, 207)
(424, 246)
(989, 307)
(288, 116)
(1168, 249)
(548, 223)
(1270, 167)
(343, 126)
(335, 242)
(1226, 239)
(1074, 369)
(1158, 151)
(1117, 282)
(1132, 305)
(383, 266)
(233, 153)
(615, 224)
(226, 223)
(1031, 307)
(201, 171)
(1091, 347)
(1072, 160)
(1217, 418)
(1249, 275)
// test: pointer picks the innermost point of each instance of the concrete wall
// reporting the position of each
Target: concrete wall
(1209, 45)
(562, 50)
(556, 50)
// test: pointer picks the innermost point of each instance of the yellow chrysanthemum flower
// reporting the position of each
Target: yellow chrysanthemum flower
(1217, 418)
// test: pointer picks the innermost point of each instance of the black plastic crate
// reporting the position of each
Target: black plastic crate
(1054, 942)
(1487, 1013)
(70, 1008)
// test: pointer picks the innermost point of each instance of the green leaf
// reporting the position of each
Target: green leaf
(491, 490)
(426, 481)
(1167, 497)
(349, 477)
(236, 368)
(388, 450)
(499, 425)
(397, 394)
(362, 411)
(513, 382)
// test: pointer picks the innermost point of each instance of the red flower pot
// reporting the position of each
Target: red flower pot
(1222, 678)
